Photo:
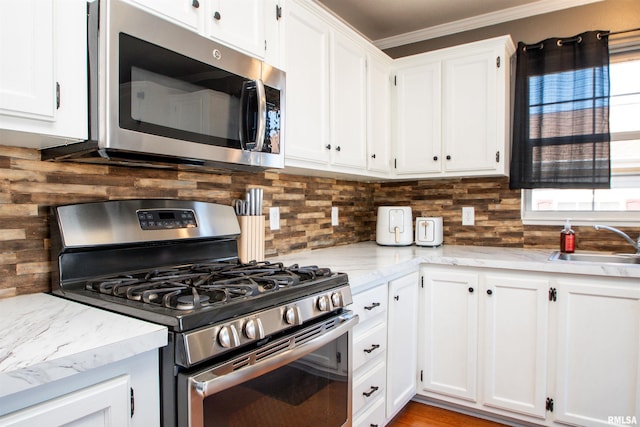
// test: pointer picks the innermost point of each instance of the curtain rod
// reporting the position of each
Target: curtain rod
(579, 39)
(615, 33)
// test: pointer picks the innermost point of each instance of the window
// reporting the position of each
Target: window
(621, 203)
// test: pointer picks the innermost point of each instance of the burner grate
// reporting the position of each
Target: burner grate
(192, 287)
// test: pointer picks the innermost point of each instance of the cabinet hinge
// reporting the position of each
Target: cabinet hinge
(421, 372)
(497, 62)
(265, 45)
(422, 282)
(549, 404)
(553, 294)
(132, 403)
(57, 95)
(497, 156)
(278, 12)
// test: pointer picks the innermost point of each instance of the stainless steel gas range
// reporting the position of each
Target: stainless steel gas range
(258, 343)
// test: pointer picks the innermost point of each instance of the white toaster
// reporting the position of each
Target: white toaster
(429, 231)
(394, 226)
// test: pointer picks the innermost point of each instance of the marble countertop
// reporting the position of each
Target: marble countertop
(367, 262)
(46, 338)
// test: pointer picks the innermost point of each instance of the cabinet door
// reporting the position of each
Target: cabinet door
(307, 64)
(27, 78)
(43, 72)
(402, 342)
(239, 23)
(469, 112)
(348, 103)
(598, 363)
(378, 114)
(515, 343)
(418, 119)
(449, 333)
(104, 404)
(274, 33)
(187, 13)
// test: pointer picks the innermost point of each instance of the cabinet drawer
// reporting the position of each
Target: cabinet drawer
(370, 303)
(368, 387)
(369, 344)
(373, 416)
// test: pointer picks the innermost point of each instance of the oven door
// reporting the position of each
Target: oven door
(303, 376)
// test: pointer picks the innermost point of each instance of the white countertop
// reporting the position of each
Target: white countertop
(46, 338)
(368, 262)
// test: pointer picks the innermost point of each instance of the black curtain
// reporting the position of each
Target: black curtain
(561, 114)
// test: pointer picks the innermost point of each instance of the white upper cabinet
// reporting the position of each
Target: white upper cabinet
(348, 79)
(43, 72)
(252, 26)
(452, 111)
(188, 13)
(418, 119)
(337, 96)
(378, 113)
(239, 23)
(307, 92)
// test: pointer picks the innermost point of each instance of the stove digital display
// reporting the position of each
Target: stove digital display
(162, 219)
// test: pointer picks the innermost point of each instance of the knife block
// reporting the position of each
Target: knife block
(251, 242)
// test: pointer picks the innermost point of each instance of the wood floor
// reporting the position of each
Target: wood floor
(419, 415)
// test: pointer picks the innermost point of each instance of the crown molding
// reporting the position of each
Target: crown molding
(480, 21)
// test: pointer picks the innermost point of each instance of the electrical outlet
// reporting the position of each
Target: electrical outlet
(468, 215)
(274, 218)
(334, 215)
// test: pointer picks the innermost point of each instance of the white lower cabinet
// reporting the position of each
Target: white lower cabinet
(385, 348)
(598, 352)
(369, 358)
(483, 340)
(104, 404)
(540, 348)
(402, 342)
(124, 393)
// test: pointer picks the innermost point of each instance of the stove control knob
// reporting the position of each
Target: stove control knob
(323, 303)
(292, 316)
(253, 329)
(336, 299)
(228, 336)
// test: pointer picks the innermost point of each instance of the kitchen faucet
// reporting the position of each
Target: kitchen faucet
(635, 244)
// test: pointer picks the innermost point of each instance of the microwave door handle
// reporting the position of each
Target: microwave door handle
(262, 114)
(247, 87)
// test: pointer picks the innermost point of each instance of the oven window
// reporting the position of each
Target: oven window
(313, 390)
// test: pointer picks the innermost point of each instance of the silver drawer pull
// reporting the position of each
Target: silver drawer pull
(371, 391)
(372, 306)
(373, 347)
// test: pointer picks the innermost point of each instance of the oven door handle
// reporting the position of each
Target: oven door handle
(207, 383)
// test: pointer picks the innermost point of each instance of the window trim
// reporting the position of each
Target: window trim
(622, 50)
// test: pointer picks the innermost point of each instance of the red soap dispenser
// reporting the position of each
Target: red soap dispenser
(567, 239)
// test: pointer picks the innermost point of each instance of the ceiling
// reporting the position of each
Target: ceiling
(390, 23)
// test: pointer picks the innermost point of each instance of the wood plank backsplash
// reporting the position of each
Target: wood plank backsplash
(29, 187)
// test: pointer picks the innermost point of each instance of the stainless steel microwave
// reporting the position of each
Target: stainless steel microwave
(163, 95)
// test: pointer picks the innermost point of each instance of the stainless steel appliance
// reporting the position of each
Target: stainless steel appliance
(162, 95)
(249, 344)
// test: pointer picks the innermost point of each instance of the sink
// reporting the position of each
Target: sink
(596, 258)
